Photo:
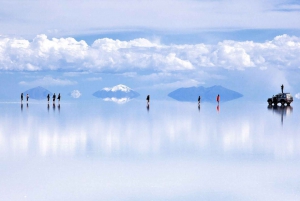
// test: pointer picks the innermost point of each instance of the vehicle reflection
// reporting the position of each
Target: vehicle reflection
(281, 110)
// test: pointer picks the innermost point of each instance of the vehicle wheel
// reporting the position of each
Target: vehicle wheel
(282, 103)
(270, 102)
(288, 104)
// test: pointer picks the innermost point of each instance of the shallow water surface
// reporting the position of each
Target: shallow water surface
(96, 150)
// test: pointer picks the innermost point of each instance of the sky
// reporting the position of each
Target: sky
(154, 47)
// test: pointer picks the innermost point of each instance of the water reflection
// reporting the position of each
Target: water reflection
(281, 110)
(117, 100)
(168, 129)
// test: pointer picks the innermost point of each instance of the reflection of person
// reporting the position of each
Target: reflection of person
(199, 98)
(27, 97)
(282, 88)
(218, 98)
(53, 97)
(21, 97)
(218, 108)
(58, 97)
(148, 99)
(48, 97)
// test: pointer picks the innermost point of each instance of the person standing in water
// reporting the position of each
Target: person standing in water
(58, 98)
(21, 97)
(282, 88)
(199, 99)
(218, 98)
(54, 97)
(148, 99)
(48, 97)
(27, 97)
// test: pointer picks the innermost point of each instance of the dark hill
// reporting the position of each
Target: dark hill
(37, 93)
(207, 94)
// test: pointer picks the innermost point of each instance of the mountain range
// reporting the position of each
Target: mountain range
(120, 91)
(209, 94)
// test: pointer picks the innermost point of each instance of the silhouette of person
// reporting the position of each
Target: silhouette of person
(27, 97)
(54, 96)
(21, 97)
(218, 98)
(218, 108)
(58, 97)
(199, 98)
(22, 107)
(148, 99)
(48, 107)
(282, 88)
(48, 97)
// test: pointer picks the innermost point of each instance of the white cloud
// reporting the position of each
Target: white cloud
(178, 84)
(75, 94)
(297, 96)
(58, 16)
(75, 74)
(108, 55)
(47, 81)
(94, 79)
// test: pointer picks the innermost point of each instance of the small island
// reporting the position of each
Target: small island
(208, 94)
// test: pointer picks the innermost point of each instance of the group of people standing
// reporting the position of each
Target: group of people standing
(48, 97)
(54, 97)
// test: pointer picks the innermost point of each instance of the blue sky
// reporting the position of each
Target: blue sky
(153, 46)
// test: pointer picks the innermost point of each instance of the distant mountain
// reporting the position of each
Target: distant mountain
(207, 94)
(38, 93)
(118, 92)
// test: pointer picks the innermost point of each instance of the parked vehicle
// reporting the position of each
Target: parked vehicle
(283, 98)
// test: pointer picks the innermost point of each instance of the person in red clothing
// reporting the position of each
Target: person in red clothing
(218, 98)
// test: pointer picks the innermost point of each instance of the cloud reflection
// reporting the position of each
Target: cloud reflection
(132, 132)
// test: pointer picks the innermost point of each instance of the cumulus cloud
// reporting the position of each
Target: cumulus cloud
(108, 55)
(75, 94)
(47, 81)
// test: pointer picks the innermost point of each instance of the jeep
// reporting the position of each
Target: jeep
(283, 98)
